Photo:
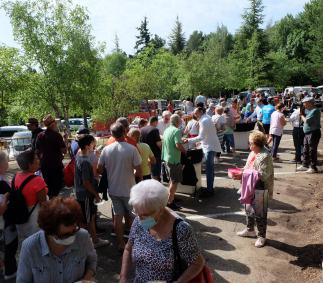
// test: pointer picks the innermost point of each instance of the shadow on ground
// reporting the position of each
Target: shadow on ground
(307, 256)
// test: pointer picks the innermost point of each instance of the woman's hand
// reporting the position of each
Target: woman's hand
(237, 176)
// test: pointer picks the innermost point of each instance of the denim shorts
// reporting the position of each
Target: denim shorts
(120, 205)
(156, 168)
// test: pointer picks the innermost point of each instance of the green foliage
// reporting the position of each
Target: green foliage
(143, 38)
(177, 38)
(195, 42)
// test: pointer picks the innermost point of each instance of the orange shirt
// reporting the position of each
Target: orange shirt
(32, 187)
(129, 140)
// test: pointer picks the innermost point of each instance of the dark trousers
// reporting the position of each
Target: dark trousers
(311, 141)
(298, 138)
(276, 142)
(261, 223)
(54, 180)
(209, 156)
(10, 249)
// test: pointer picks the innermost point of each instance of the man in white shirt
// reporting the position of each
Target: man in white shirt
(164, 122)
(298, 134)
(210, 145)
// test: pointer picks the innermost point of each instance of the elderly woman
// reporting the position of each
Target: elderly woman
(261, 161)
(61, 251)
(150, 246)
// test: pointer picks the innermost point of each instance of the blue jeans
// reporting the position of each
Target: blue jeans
(276, 142)
(209, 156)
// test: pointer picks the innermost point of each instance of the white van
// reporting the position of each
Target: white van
(6, 132)
(20, 141)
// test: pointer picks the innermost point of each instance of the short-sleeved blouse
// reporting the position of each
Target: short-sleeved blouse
(154, 259)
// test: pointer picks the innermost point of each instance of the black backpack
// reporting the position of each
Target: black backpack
(17, 210)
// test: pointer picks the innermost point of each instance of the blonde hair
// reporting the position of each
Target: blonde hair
(134, 133)
(258, 138)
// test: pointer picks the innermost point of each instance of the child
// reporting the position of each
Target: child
(10, 232)
(228, 139)
(85, 187)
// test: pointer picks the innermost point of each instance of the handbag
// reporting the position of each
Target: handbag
(180, 266)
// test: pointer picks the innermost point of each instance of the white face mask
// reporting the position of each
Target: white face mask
(64, 242)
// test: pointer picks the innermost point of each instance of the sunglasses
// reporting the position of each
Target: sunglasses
(66, 235)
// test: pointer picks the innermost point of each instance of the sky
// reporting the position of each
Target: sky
(121, 17)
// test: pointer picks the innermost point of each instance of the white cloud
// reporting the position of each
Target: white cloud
(110, 17)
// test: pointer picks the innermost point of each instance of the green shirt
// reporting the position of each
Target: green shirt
(312, 122)
(170, 153)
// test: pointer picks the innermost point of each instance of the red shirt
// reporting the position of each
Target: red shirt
(129, 140)
(32, 187)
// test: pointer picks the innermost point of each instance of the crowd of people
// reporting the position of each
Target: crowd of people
(59, 234)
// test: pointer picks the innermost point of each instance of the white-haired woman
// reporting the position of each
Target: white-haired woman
(150, 245)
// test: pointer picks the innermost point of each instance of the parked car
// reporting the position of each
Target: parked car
(76, 123)
(20, 141)
(294, 90)
(270, 90)
(319, 90)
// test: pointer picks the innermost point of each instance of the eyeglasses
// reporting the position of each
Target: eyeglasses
(66, 235)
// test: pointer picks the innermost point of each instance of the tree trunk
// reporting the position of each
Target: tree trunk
(86, 126)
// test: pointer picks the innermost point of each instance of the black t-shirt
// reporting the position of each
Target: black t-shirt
(49, 145)
(4, 187)
(34, 135)
(150, 135)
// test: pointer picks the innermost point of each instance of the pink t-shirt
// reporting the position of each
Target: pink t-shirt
(276, 127)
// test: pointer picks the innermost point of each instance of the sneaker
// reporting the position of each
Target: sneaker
(100, 243)
(260, 242)
(246, 233)
(302, 168)
(311, 171)
(11, 276)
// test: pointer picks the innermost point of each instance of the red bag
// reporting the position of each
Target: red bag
(205, 276)
(69, 172)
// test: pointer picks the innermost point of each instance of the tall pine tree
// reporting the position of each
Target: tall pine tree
(177, 38)
(143, 38)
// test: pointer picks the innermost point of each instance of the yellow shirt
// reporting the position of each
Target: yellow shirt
(145, 153)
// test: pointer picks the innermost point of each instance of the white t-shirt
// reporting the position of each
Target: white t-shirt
(162, 126)
(119, 159)
(219, 122)
(276, 128)
(193, 127)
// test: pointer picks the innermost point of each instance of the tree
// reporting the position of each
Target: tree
(11, 78)
(116, 44)
(253, 18)
(56, 38)
(143, 38)
(177, 38)
(195, 41)
(157, 41)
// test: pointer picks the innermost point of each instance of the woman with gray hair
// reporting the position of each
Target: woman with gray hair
(150, 246)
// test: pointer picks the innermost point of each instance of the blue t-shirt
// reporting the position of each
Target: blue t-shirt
(267, 110)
